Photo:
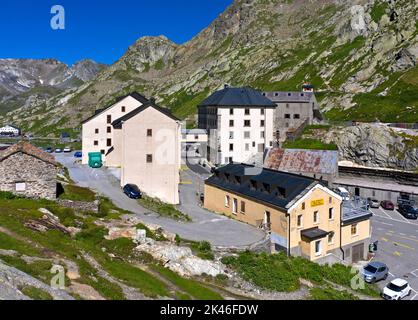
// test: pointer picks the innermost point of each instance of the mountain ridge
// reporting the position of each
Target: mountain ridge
(359, 74)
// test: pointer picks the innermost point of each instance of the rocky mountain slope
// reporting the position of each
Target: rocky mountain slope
(24, 82)
(361, 56)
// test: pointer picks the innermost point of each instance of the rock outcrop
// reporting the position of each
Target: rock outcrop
(377, 145)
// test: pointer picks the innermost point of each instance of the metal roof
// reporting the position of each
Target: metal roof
(194, 131)
(354, 211)
(237, 97)
(268, 186)
(314, 233)
(289, 96)
(302, 161)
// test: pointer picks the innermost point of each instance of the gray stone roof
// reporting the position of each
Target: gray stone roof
(237, 97)
(289, 96)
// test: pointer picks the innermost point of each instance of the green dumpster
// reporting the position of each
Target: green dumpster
(95, 160)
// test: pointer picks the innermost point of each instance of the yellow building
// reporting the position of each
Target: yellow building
(302, 216)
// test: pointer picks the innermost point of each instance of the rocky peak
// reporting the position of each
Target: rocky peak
(87, 69)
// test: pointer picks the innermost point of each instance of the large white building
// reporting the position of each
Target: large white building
(143, 140)
(239, 122)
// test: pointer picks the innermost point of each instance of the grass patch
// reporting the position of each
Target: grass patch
(163, 209)
(76, 193)
(282, 273)
(191, 287)
(36, 294)
(202, 249)
(328, 293)
(313, 144)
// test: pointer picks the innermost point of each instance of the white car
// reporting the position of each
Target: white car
(67, 149)
(396, 290)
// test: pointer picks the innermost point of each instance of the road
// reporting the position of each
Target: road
(217, 229)
(398, 246)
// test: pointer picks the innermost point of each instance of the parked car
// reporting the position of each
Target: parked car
(58, 150)
(202, 197)
(78, 154)
(387, 205)
(67, 150)
(375, 271)
(396, 290)
(373, 203)
(132, 191)
(49, 150)
(408, 211)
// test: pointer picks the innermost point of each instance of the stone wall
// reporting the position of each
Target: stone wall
(38, 175)
(80, 205)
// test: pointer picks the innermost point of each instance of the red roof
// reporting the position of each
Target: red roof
(29, 149)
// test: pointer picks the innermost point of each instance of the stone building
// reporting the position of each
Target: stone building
(28, 171)
(293, 109)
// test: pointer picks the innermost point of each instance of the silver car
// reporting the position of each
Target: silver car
(375, 271)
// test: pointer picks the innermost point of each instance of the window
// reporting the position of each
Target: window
(227, 201)
(330, 200)
(276, 94)
(331, 214)
(102, 151)
(300, 221)
(253, 144)
(20, 186)
(231, 123)
(247, 135)
(247, 112)
(196, 137)
(271, 143)
(303, 206)
(289, 94)
(262, 111)
(262, 134)
(123, 109)
(262, 123)
(231, 112)
(318, 247)
(231, 147)
(242, 206)
(231, 135)
(234, 206)
(316, 217)
(247, 147)
(149, 133)
(247, 123)
(109, 142)
(287, 116)
(96, 131)
(331, 237)
(354, 229)
(287, 125)
(96, 143)
(287, 106)
(149, 158)
(296, 116)
(109, 119)
(109, 129)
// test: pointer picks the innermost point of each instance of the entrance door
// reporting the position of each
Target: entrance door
(357, 192)
(267, 221)
(357, 253)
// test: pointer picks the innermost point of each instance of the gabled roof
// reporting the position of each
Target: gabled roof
(237, 97)
(260, 184)
(134, 95)
(11, 126)
(117, 124)
(29, 149)
(289, 96)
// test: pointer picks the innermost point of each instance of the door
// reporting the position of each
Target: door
(357, 253)
(357, 192)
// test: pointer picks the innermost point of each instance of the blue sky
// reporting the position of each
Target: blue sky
(99, 30)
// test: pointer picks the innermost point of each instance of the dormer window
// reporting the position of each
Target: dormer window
(276, 94)
(253, 185)
(289, 94)
(267, 187)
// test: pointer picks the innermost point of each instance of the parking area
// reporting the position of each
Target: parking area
(397, 247)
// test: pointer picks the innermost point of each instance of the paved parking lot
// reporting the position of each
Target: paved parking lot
(398, 246)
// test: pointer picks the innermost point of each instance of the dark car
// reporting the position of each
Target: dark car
(387, 205)
(408, 211)
(78, 154)
(132, 191)
(49, 150)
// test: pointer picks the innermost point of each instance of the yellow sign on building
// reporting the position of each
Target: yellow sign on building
(317, 203)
